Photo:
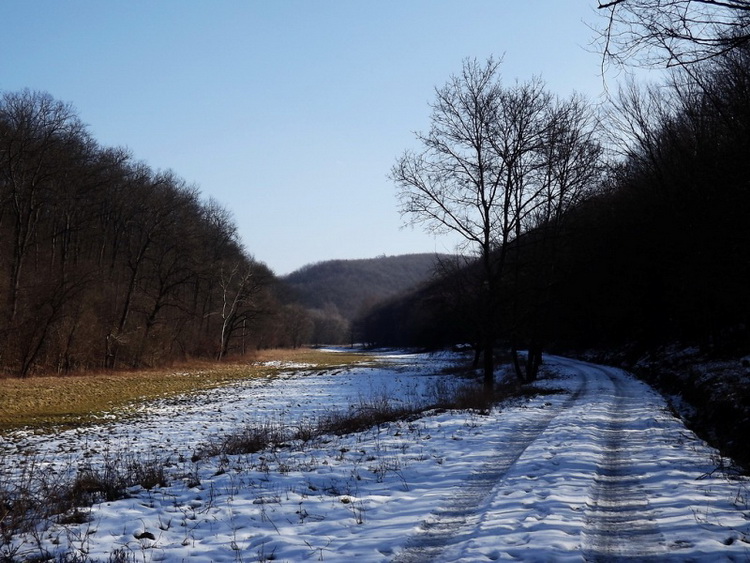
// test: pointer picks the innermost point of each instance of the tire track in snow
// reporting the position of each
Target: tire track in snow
(620, 523)
(444, 524)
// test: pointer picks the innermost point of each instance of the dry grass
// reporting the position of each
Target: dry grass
(71, 400)
(369, 412)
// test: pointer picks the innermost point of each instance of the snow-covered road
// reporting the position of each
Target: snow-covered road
(611, 476)
(601, 471)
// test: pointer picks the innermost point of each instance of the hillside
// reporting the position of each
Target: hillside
(107, 263)
(349, 285)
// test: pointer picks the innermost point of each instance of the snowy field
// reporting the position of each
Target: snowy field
(601, 471)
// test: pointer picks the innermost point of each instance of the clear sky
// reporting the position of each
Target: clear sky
(288, 112)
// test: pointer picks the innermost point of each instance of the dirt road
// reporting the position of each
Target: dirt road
(606, 469)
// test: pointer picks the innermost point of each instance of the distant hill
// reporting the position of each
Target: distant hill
(350, 285)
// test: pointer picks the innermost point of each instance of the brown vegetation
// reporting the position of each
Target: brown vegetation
(43, 402)
(106, 263)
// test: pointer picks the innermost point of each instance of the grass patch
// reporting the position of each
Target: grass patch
(73, 400)
(37, 498)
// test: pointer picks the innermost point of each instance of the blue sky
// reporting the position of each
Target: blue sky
(289, 113)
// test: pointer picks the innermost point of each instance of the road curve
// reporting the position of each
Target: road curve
(620, 521)
(615, 520)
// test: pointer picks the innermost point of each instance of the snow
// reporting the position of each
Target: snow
(601, 470)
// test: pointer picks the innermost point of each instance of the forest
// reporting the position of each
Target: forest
(107, 264)
(335, 292)
(651, 251)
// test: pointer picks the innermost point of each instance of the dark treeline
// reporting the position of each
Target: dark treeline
(657, 252)
(663, 254)
(106, 263)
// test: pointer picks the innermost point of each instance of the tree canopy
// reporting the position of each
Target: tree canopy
(105, 262)
(672, 32)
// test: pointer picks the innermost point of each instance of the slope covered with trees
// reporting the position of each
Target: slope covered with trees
(106, 263)
(658, 250)
(335, 292)
(350, 284)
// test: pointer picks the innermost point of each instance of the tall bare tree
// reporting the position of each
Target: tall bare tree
(483, 173)
(242, 299)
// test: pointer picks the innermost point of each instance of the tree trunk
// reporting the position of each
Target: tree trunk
(489, 366)
(477, 355)
(533, 361)
(517, 364)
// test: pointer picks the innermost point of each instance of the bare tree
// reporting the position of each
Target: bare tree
(477, 175)
(672, 32)
(242, 300)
